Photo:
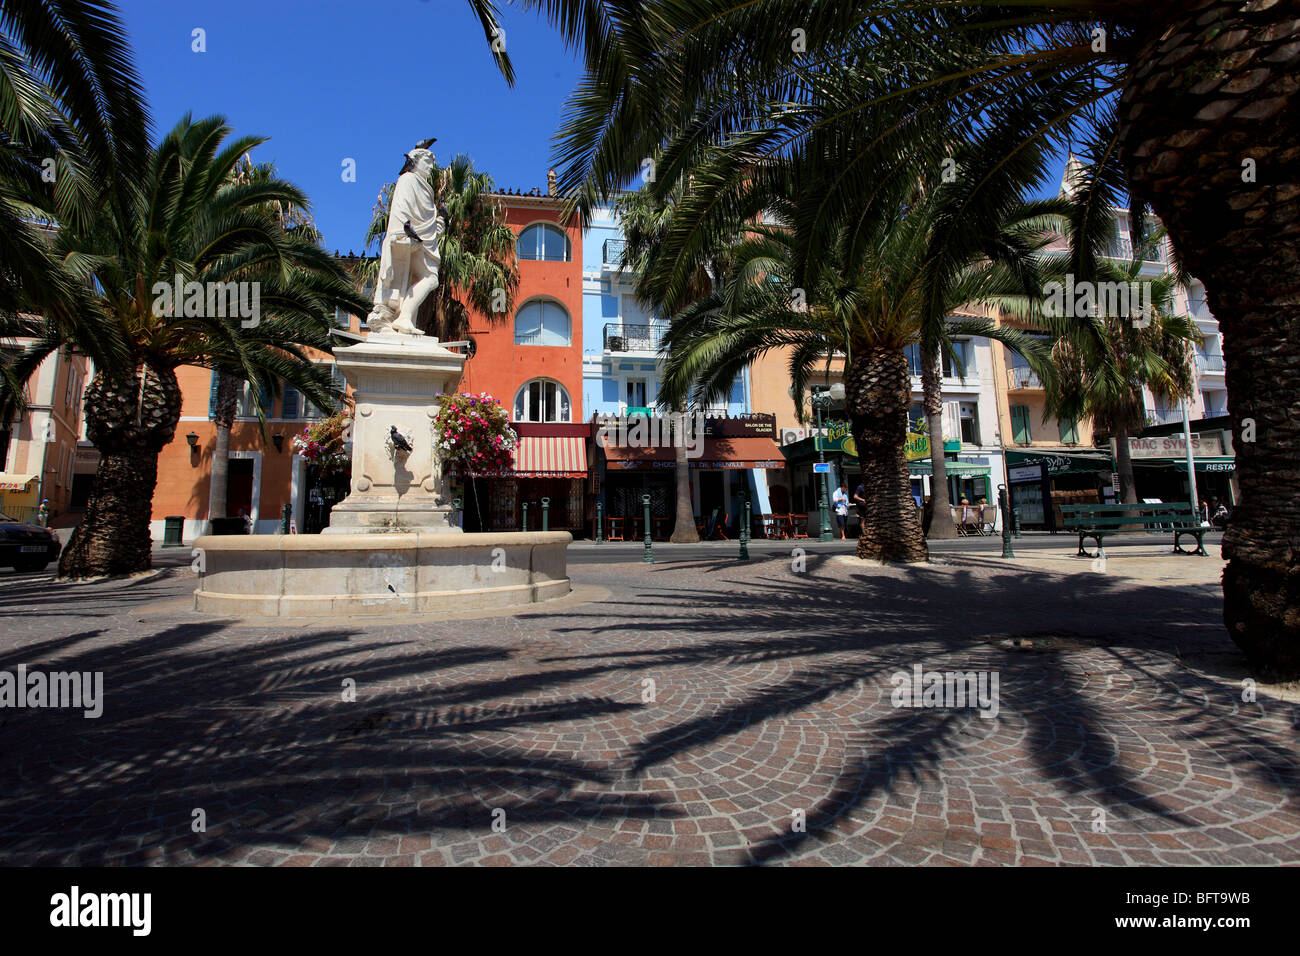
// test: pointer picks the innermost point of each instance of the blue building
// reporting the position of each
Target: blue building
(621, 375)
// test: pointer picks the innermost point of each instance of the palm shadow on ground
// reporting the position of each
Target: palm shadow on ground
(254, 733)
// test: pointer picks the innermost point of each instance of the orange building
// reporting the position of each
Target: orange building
(529, 359)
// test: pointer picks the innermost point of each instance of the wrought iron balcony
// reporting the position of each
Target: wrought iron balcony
(612, 251)
(632, 338)
(1209, 363)
(1021, 377)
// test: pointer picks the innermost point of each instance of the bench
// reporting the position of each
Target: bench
(1097, 520)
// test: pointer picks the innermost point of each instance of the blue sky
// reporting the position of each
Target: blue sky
(329, 80)
(362, 79)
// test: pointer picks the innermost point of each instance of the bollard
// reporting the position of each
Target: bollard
(1015, 513)
(600, 518)
(525, 516)
(286, 515)
(1005, 502)
(546, 510)
(744, 528)
(649, 549)
(459, 506)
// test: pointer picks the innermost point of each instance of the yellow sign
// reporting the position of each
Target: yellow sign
(917, 447)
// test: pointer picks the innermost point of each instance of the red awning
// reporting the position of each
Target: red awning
(717, 453)
(551, 457)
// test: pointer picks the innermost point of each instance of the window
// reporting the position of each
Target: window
(341, 317)
(542, 323)
(915, 417)
(336, 382)
(291, 403)
(542, 401)
(543, 242)
(970, 423)
(960, 362)
(1020, 431)
(1069, 432)
(636, 393)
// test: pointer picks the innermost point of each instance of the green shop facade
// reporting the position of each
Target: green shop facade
(972, 475)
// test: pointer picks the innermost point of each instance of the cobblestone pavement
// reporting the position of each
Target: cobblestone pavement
(700, 713)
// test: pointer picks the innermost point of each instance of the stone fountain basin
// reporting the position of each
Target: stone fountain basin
(371, 575)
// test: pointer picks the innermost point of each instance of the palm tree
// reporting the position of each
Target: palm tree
(296, 221)
(73, 141)
(189, 220)
(1106, 359)
(1196, 97)
(478, 269)
(867, 300)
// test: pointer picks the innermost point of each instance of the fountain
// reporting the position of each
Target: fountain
(393, 545)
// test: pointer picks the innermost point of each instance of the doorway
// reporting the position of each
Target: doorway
(239, 490)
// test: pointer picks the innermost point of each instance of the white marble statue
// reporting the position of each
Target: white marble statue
(409, 261)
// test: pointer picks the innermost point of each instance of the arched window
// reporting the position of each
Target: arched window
(542, 400)
(542, 323)
(544, 242)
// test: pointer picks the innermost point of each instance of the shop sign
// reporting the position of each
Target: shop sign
(1025, 473)
(752, 425)
(1208, 445)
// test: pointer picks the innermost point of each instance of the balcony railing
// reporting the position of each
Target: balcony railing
(612, 251)
(1209, 363)
(1164, 416)
(1020, 376)
(632, 338)
(1151, 252)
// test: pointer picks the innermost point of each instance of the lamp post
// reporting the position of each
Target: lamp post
(1005, 502)
(822, 397)
(649, 557)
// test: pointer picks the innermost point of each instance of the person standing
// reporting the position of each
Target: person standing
(840, 500)
(860, 499)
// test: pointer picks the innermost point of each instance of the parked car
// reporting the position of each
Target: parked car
(26, 547)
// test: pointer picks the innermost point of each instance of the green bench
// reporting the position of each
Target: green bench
(1096, 521)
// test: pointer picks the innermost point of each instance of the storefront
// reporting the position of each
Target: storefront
(550, 470)
(723, 462)
(1160, 467)
(20, 497)
(1040, 482)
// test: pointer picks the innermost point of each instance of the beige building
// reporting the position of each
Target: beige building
(39, 449)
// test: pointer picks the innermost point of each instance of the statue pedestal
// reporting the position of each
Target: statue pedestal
(396, 381)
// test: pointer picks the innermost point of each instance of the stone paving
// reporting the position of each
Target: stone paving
(707, 712)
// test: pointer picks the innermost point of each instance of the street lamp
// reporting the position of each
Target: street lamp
(822, 396)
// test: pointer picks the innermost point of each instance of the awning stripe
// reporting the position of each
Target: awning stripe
(12, 482)
(562, 456)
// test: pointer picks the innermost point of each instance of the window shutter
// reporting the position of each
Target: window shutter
(1020, 432)
(266, 397)
(1069, 432)
(212, 396)
(290, 409)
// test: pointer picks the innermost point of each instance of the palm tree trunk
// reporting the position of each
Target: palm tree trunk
(129, 422)
(223, 415)
(1192, 115)
(878, 389)
(684, 530)
(1124, 465)
(113, 536)
(941, 525)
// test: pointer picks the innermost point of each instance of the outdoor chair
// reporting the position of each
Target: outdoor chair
(989, 521)
(957, 522)
(798, 526)
(615, 530)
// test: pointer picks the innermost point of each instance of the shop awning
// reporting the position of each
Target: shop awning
(1180, 464)
(716, 453)
(1061, 462)
(551, 457)
(952, 467)
(12, 482)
